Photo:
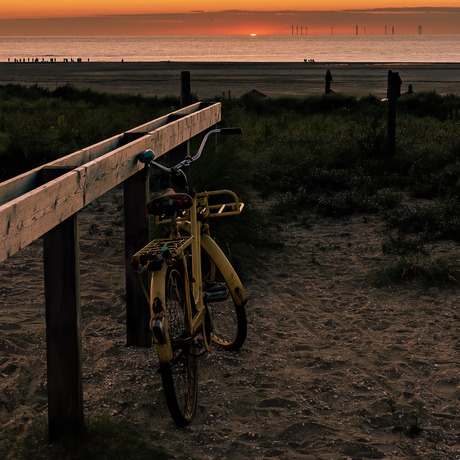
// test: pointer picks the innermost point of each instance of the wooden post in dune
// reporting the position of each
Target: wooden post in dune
(393, 92)
(181, 151)
(135, 196)
(185, 93)
(328, 82)
(63, 329)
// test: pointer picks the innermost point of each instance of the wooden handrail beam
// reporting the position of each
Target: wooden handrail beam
(29, 216)
(19, 185)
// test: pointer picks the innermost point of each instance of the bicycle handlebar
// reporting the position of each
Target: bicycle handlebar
(231, 131)
(148, 156)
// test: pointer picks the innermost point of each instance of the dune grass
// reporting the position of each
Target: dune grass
(322, 154)
(38, 125)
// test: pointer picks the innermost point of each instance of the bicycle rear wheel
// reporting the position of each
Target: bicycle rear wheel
(179, 376)
(228, 316)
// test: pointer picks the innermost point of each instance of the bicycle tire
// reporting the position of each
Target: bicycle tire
(228, 316)
(180, 375)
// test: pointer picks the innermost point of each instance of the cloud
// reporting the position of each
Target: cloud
(420, 9)
(435, 20)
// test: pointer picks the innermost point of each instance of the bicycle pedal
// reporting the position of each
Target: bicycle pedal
(216, 293)
(199, 343)
(200, 347)
(158, 331)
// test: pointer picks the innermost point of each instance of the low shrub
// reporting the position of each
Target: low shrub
(431, 271)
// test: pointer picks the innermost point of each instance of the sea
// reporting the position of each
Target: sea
(236, 48)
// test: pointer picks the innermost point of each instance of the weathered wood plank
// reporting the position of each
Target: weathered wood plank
(158, 122)
(29, 216)
(24, 183)
(19, 185)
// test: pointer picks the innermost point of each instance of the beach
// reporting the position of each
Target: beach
(210, 80)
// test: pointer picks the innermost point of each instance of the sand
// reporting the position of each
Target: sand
(209, 80)
(333, 367)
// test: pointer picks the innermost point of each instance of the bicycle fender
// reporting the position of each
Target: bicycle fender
(157, 290)
(225, 267)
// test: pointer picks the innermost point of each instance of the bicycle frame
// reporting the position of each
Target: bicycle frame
(197, 236)
(195, 297)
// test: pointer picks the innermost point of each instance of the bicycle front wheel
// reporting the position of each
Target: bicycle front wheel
(227, 312)
(179, 376)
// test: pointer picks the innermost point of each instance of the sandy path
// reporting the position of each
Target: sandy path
(331, 365)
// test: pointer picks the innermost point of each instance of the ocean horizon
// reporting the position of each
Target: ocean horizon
(235, 48)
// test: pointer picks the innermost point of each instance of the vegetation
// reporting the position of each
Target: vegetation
(38, 125)
(328, 154)
(324, 154)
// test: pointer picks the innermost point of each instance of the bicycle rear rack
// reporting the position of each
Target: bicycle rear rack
(205, 210)
(231, 208)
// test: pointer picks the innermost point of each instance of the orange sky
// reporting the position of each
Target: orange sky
(70, 8)
(176, 17)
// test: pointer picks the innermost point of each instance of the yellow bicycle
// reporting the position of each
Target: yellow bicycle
(195, 296)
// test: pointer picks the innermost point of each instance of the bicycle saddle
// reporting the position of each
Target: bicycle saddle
(169, 203)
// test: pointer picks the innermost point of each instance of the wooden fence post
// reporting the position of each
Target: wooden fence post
(185, 94)
(393, 92)
(63, 329)
(181, 151)
(135, 192)
(327, 89)
(63, 322)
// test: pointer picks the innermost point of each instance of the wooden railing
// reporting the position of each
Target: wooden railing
(44, 203)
